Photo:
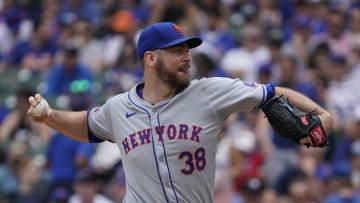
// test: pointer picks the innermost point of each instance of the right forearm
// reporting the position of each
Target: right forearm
(71, 124)
(304, 103)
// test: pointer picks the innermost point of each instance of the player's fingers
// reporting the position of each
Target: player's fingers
(32, 101)
(305, 140)
(30, 111)
(38, 97)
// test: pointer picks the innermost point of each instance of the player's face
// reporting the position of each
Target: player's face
(173, 66)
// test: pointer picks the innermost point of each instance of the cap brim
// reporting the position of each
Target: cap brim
(191, 41)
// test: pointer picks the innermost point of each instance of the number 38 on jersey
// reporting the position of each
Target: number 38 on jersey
(193, 160)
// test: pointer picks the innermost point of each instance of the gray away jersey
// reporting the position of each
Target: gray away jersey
(168, 149)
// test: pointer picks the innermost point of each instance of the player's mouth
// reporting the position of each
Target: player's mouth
(184, 69)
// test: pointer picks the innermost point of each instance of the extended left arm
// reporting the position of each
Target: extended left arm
(304, 103)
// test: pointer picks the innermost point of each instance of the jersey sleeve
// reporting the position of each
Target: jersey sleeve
(99, 123)
(226, 96)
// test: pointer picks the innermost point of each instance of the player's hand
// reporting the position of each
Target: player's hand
(327, 121)
(305, 140)
(39, 110)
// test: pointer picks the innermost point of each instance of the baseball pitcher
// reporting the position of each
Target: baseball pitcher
(166, 127)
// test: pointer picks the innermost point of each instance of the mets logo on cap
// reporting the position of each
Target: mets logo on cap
(178, 29)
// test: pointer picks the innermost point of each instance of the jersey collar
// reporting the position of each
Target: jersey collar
(136, 96)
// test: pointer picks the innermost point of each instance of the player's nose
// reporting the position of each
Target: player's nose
(187, 58)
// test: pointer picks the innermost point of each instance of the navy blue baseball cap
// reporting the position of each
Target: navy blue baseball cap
(162, 35)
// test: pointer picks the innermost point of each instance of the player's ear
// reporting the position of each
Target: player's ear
(150, 58)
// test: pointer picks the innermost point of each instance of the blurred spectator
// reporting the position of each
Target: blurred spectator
(242, 11)
(89, 53)
(339, 69)
(50, 12)
(337, 36)
(274, 38)
(15, 18)
(181, 12)
(217, 34)
(270, 71)
(341, 98)
(16, 159)
(87, 189)
(345, 149)
(113, 182)
(74, 155)
(206, 66)
(107, 44)
(298, 46)
(105, 157)
(124, 22)
(353, 59)
(127, 71)
(345, 193)
(140, 9)
(319, 63)
(301, 182)
(246, 156)
(269, 15)
(18, 127)
(65, 24)
(59, 195)
(36, 53)
(32, 8)
(290, 73)
(32, 183)
(246, 162)
(252, 192)
(2, 63)
(317, 13)
(355, 22)
(354, 65)
(60, 77)
(6, 38)
(223, 180)
(299, 191)
(87, 10)
(244, 62)
(355, 162)
(265, 73)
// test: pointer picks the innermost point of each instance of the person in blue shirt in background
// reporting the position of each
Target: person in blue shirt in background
(60, 77)
(37, 53)
(66, 156)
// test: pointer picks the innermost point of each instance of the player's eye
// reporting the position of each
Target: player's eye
(178, 51)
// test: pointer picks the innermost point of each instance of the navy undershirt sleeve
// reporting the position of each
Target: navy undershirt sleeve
(92, 138)
(270, 90)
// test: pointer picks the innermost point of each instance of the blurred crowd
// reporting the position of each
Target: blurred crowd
(78, 53)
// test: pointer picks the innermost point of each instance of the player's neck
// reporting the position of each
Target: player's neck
(156, 91)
